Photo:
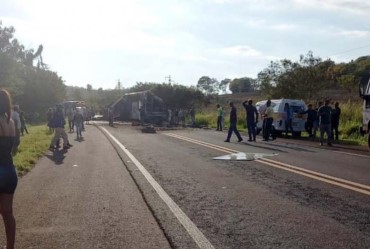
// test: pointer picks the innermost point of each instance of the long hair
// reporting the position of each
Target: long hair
(5, 104)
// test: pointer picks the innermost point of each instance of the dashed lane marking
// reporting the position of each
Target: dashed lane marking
(360, 188)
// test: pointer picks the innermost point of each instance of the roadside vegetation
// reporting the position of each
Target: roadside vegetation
(35, 88)
(32, 147)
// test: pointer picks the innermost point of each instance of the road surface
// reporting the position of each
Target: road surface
(121, 188)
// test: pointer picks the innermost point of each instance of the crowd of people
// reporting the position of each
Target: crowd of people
(76, 117)
(323, 118)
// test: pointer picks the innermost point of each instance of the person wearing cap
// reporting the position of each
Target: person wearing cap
(233, 122)
(251, 118)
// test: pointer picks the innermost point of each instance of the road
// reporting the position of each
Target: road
(121, 188)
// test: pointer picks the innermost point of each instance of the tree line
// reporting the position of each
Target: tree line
(35, 87)
(302, 79)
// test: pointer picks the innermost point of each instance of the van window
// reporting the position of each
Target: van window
(297, 108)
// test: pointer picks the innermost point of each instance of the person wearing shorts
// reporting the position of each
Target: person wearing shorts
(8, 174)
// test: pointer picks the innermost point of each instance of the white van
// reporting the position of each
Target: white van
(278, 125)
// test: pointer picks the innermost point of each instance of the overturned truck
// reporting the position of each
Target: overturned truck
(140, 106)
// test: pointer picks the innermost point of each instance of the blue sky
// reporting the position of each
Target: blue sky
(99, 42)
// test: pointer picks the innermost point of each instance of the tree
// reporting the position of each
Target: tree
(242, 85)
(301, 79)
(208, 85)
(224, 85)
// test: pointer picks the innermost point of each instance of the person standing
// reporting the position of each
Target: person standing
(316, 125)
(219, 118)
(49, 116)
(233, 122)
(311, 118)
(78, 120)
(8, 174)
(288, 119)
(23, 123)
(267, 122)
(325, 122)
(192, 116)
(58, 122)
(251, 118)
(335, 116)
(70, 117)
(17, 122)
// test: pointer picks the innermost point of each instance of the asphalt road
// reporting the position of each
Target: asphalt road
(121, 188)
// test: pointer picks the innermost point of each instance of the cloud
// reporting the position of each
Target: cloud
(284, 27)
(241, 50)
(359, 6)
(355, 33)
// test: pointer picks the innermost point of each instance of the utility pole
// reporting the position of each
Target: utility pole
(118, 84)
(169, 79)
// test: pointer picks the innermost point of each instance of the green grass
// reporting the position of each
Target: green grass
(32, 147)
(350, 121)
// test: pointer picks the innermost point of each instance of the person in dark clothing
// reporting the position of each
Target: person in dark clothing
(316, 125)
(58, 122)
(8, 174)
(335, 116)
(219, 118)
(325, 122)
(252, 119)
(311, 117)
(233, 122)
(23, 123)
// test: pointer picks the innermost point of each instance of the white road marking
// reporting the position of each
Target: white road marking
(190, 227)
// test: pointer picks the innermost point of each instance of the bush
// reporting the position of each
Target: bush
(206, 119)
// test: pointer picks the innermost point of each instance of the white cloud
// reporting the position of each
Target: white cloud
(355, 33)
(358, 6)
(241, 50)
(284, 27)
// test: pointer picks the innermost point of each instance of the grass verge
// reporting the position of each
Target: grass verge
(32, 147)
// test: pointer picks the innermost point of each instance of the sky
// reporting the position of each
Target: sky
(101, 42)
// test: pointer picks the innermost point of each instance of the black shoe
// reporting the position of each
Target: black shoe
(329, 144)
(65, 147)
(227, 141)
(321, 144)
(69, 145)
(240, 140)
(249, 140)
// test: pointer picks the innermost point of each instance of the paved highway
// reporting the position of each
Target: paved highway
(121, 188)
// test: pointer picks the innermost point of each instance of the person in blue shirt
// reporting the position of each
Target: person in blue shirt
(288, 119)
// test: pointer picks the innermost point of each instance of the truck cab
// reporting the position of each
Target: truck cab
(365, 95)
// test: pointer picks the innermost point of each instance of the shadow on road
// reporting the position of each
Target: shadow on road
(58, 156)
